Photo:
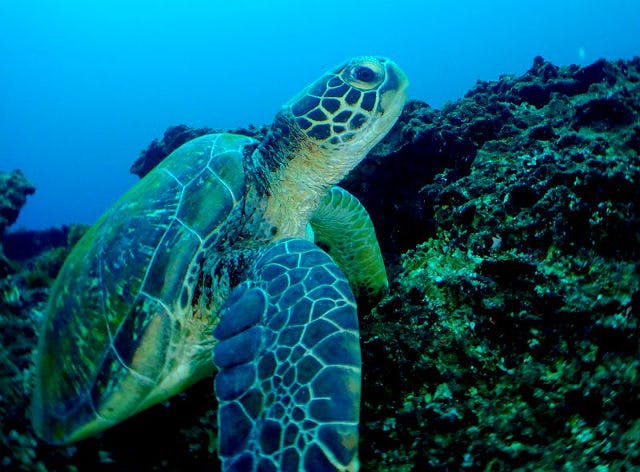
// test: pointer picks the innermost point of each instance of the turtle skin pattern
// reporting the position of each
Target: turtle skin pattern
(289, 365)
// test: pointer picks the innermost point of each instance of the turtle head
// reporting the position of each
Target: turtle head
(320, 135)
(348, 110)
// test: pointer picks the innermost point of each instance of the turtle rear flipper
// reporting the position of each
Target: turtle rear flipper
(289, 365)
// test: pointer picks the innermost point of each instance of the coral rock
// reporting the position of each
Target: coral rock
(14, 189)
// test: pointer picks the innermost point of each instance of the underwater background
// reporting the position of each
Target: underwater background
(505, 201)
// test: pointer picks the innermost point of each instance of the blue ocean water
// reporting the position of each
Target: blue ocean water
(84, 86)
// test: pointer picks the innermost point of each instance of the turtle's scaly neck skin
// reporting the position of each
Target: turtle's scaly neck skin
(292, 173)
(320, 136)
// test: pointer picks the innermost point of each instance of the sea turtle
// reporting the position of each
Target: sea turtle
(216, 252)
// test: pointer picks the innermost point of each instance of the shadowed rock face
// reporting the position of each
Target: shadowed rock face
(510, 221)
(14, 190)
(511, 332)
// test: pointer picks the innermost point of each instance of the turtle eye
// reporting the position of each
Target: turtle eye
(365, 75)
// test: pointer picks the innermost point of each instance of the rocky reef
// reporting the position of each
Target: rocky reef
(510, 338)
(14, 190)
(29, 262)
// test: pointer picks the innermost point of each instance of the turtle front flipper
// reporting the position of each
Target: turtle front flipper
(289, 365)
(342, 227)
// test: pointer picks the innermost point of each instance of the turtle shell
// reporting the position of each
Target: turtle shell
(117, 311)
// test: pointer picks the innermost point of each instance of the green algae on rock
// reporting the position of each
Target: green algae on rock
(524, 302)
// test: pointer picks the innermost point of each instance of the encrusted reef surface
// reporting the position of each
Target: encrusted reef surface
(509, 340)
(14, 190)
(29, 262)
